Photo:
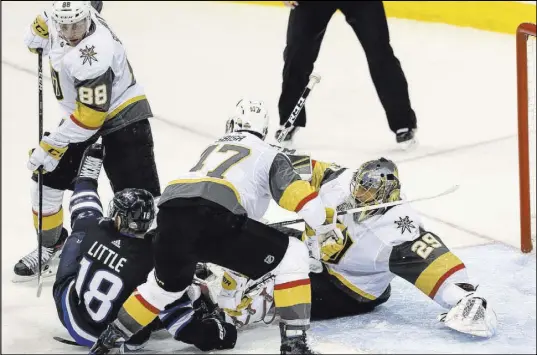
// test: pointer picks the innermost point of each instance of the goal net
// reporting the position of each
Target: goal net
(527, 134)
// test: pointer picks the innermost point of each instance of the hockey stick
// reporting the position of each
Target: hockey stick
(374, 207)
(40, 174)
(314, 79)
(66, 341)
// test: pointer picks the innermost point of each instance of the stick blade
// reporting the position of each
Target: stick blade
(39, 284)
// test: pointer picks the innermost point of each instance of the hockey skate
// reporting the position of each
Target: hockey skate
(406, 138)
(26, 269)
(295, 343)
(288, 140)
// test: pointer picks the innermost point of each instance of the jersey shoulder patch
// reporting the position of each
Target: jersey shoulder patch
(92, 57)
(402, 222)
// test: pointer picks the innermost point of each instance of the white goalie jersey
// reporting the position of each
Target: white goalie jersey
(93, 81)
(364, 263)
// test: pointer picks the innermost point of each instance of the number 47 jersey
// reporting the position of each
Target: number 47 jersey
(243, 173)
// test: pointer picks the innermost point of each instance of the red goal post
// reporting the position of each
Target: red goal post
(525, 39)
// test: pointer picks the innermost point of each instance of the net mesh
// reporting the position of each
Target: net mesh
(531, 47)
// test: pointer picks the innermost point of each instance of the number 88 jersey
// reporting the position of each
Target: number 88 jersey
(93, 81)
(107, 268)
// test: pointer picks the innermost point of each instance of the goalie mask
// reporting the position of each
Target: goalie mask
(250, 116)
(375, 182)
(72, 20)
(133, 211)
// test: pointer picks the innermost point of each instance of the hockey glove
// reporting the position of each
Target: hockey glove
(111, 339)
(230, 298)
(219, 335)
(328, 236)
(332, 245)
(38, 35)
(48, 154)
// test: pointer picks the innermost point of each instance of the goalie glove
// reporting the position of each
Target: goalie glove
(230, 297)
(48, 154)
(472, 315)
(326, 241)
(257, 300)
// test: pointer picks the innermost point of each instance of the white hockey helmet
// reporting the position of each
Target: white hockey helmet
(72, 19)
(249, 116)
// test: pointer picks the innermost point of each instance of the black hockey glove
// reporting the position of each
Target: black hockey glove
(111, 339)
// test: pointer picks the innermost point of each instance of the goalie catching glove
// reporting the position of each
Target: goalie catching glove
(246, 301)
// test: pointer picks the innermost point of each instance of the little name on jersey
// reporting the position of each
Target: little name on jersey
(107, 256)
(231, 138)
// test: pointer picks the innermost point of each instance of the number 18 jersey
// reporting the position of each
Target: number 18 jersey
(110, 267)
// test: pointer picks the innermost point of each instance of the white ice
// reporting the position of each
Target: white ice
(197, 59)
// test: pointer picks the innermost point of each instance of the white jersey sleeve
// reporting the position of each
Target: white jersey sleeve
(243, 173)
(92, 81)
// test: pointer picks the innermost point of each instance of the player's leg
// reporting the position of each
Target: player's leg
(66, 299)
(175, 265)
(254, 250)
(129, 158)
(368, 20)
(305, 31)
(428, 264)
(330, 301)
(54, 235)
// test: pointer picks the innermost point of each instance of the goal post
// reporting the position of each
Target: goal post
(526, 81)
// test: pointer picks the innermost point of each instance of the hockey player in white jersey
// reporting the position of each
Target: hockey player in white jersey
(211, 214)
(98, 96)
(378, 245)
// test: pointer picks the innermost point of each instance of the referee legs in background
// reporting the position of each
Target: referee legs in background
(305, 31)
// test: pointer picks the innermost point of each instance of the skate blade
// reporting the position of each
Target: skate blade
(50, 270)
(409, 145)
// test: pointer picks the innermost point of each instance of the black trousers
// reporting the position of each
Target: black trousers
(305, 31)
(196, 230)
(129, 161)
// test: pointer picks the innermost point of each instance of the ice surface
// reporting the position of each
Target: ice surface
(197, 59)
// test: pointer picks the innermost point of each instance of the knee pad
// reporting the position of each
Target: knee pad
(295, 263)
(153, 293)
